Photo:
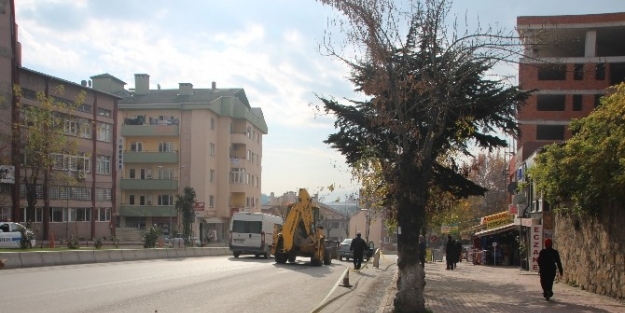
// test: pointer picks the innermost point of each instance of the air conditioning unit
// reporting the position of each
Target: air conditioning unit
(81, 174)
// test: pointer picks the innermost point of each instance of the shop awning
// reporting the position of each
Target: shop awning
(496, 230)
(213, 220)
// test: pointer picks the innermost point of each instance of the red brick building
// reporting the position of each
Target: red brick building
(569, 60)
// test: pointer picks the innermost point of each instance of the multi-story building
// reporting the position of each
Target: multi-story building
(569, 61)
(82, 205)
(207, 139)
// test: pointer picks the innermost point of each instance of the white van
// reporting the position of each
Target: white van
(252, 233)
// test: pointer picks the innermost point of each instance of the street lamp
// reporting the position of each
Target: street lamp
(67, 193)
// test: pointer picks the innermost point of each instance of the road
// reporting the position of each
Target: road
(209, 284)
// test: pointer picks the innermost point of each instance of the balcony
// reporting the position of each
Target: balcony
(149, 184)
(150, 157)
(239, 138)
(147, 210)
(150, 130)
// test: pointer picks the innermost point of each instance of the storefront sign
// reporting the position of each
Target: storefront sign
(536, 244)
(198, 206)
(120, 153)
(512, 209)
(496, 220)
(449, 229)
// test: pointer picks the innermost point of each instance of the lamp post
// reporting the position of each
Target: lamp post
(67, 193)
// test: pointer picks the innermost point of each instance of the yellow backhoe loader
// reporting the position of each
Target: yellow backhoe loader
(301, 234)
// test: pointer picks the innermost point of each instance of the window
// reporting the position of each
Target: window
(103, 214)
(552, 72)
(249, 155)
(598, 99)
(212, 175)
(132, 173)
(165, 200)
(237, 175)
(131, 199)
(212, 123)
(105, 132)
(103, 164)
(34, 215)
(549, 132)
(211, 201)
(103, 194)
(212, 149)
(82, 214)
(577, 102)
(600, 71)
(104, 112)
(166, 147)
(5, 214)
(254, 227)
(248, 132)
(57, 215)
(166, 173)
(84, 108)
(136, 146)
(550, 102)
(578, 72)
(72, 162)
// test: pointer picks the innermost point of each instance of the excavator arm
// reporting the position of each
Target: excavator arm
(298, 223)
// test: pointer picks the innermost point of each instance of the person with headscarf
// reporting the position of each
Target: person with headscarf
(548, 263)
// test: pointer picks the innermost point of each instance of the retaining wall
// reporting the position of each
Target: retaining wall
(68, 257)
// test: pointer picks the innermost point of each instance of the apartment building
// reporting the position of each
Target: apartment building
(79, 192)
(209, 139)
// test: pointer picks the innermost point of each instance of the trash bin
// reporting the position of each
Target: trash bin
(437, 255)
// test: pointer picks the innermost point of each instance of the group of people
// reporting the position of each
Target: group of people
(453, 252)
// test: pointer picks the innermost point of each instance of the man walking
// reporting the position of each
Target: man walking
(422, 249)
(450, 252)
(358, 248)
(548, 258)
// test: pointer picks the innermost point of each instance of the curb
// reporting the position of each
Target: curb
(386, 306)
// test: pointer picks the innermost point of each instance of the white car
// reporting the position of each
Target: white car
(11, 235)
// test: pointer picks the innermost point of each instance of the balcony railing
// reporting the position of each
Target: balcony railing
(150, 157)
(150, 130)
(148, 184)
(147, 210)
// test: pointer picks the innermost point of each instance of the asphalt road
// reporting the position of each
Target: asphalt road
(208, 284)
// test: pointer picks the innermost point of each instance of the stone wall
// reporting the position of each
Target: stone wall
(593, 251)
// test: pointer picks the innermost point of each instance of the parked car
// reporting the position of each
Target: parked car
(178, 241)
(344, 250)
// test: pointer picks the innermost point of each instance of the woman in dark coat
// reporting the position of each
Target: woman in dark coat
(548, 258)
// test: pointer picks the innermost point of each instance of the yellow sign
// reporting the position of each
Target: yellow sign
(498, 219)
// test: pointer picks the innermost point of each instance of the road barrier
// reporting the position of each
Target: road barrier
(50, 258)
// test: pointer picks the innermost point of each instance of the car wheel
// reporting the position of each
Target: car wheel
(236, 254)
(340, 258)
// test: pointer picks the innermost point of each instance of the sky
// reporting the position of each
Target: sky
(269, 48)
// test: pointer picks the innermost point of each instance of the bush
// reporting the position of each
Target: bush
(115, 242)
(150, 237)
(27, 236)
(73, 243)
(97, 242)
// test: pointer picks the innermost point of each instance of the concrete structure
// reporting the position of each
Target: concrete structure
(83, 205)
(208, 139)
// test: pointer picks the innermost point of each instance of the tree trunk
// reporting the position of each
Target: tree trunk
(46, 203)
(410, 288)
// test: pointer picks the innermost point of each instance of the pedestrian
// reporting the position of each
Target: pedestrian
(458, 248)
(450, 252)
(548, 258)
(422, 249)
(358, 248)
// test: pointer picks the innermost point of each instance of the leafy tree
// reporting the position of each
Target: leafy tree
(184, 205)
(42, 134)
(427, 96)
(587, 173)
(490, 170)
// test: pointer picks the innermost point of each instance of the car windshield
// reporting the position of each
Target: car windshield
(346, 242)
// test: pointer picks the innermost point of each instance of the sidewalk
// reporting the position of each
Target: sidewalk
(491, 289)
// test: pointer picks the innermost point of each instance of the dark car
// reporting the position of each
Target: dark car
(344, 251)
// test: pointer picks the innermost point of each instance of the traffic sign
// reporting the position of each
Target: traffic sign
(433, 238)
